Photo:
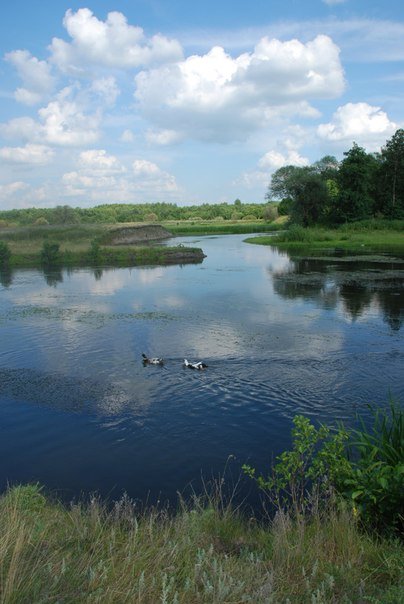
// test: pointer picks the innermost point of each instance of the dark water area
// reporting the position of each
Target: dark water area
(80, 414)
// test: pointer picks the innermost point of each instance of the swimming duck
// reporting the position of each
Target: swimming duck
(152, 360)
(199, 365)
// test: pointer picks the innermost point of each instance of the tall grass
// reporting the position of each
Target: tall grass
(206, 552)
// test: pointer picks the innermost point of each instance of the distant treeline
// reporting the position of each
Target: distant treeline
(147, 212)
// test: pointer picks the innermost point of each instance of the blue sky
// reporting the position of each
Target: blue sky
(150, 100)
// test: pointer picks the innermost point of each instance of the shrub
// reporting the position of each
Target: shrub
(375, 482)
(5, 254)
(303, 476)
(270, 212)
(94, 253)
(365, 466)
(50, 254)
(41, 221)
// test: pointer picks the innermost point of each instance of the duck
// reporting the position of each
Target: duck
(199, 365)
(152, 360)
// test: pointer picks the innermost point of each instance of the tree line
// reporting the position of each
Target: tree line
(145, 212)
(363, 185)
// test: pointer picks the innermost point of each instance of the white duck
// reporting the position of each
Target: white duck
(199, 365)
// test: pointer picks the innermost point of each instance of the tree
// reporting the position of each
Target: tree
(307, 191)
(356, 183)
(281, 181)
(65, 215)
(390, 195)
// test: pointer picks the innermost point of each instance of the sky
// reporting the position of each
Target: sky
(138, 101)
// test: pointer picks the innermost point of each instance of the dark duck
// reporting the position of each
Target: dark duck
(199, 365)
(152, 360)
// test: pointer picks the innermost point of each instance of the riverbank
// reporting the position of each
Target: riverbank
(95, 245)
(206, 552)
(362, 237)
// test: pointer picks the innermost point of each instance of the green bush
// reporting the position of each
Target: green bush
(364, 466)
(94, 253)
(303, 476)
(50, 254)
(5, 254)
(375, 482)
(41, 221)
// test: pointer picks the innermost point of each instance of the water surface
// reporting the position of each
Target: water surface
(80, 413)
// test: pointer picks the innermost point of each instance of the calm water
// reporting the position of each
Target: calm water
(79, 413)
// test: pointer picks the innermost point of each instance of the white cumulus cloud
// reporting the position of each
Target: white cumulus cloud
(99, 160)
(36, 76)
(111, 43)
(30, 154)
(217, 97)
(359, 122)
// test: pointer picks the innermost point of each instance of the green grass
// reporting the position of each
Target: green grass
(220, 227)
(75, 244)
(206, 552)
(367, 236)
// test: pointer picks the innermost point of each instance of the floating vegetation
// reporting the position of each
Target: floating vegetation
(86, 316)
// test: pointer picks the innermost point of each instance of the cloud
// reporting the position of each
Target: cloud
(273, 160)
(149, 176)
(98, 160)
(12, 188)
(36, 76)
(62, 122)
(127, 136)
(30, 154)
(217, 97)
(163, 137)
(332, 2)
(106, 89)
(101, 177)
(112, 43)
(359, 122)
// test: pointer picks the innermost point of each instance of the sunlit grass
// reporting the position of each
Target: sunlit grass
(206, 552)
(356, 237)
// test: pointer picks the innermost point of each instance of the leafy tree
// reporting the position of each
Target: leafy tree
(307, 190)
(327, 167)
(270, 212)
(65, 215)
(356, 183)
(390, 197)
(281, 182)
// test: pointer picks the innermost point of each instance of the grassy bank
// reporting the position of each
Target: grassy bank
(213, 227)
(204, 553)
(368, 236)
(82, 245)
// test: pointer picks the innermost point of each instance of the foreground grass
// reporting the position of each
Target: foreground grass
(367, 236)
(204, 553)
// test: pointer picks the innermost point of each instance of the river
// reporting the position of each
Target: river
(80, 414)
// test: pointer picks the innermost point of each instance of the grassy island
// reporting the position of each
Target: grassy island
(93, 245)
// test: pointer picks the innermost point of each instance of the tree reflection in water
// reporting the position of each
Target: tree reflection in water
(358, 285)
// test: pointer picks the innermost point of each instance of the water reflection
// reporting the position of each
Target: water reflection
(53, 276)
(79, 412)
(6, 277)
(357, 287)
